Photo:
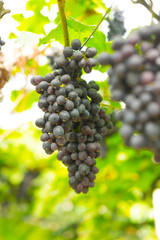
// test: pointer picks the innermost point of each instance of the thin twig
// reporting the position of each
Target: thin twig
(97, 26)
(2, 10)
(149, 7)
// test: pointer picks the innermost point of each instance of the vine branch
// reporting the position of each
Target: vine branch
(2, 10)
(61, 6)
(149, 7)
(96, 27)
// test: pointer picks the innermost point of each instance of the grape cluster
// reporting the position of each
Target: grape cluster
(73, 122)
(1, 43)
(134, 77)
(116, 25)
(73, 60)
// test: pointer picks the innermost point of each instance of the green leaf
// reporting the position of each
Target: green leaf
(27, 101)
(15, 94)
(36, 22)
(86, 11)
(78, 26)
(98, 40)
(55, 34)
(115, 104)
(14, 135)
(28, 24)
(12, 35)
(81, 31)
(36, 6)
(76, 30)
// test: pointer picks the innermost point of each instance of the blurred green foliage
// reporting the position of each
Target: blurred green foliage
(35, 199)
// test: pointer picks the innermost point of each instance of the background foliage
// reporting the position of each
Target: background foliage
(35, 199)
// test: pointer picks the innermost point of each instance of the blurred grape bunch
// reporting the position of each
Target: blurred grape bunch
(116, 25)
(112, 128)
(4, 73)
(3, 11)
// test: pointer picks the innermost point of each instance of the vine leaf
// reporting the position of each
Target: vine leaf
(37, 21)
(77, 26)
(81, 31)
(28, 24)
(26, 101)
(76, 30)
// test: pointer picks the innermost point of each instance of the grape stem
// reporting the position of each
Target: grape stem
(61, 6)
(2, 10)
(108, 105)
(97, 26)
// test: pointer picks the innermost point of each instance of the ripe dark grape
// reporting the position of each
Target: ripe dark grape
(65, 78)
(133, 77)
(58, 131)
(64, 116)
(73, 120)
(53, 118)
(44, 137)
(91, 52)
(77, 56)
(67, 51)
(76, 44)
(40, 122)
(55, 83)
(84, 169)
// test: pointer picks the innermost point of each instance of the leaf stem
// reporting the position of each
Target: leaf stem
(97, 26)
(61, 6)
(110, 106)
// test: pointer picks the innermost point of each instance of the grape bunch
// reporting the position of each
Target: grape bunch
(73, 60)
(1, 43)
(116, 25)
(134, 77)
(73, 122)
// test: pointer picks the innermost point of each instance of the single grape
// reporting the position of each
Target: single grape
(40, 122)
(58, 131)
(84, 169)
(53, 118)
(68, 51)
(61, 100)
(64, 116)
(76, 44)
(91, 52)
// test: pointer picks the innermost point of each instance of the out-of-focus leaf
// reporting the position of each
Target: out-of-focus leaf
(37, 6)
(28, 38)
(36, 22)
(12, 35)
(27, 101)
(75, 28)
(28, 24)
(14, 135)
(15, 94)
(43, 70)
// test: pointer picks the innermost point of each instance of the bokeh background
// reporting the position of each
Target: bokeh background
(36, 201)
